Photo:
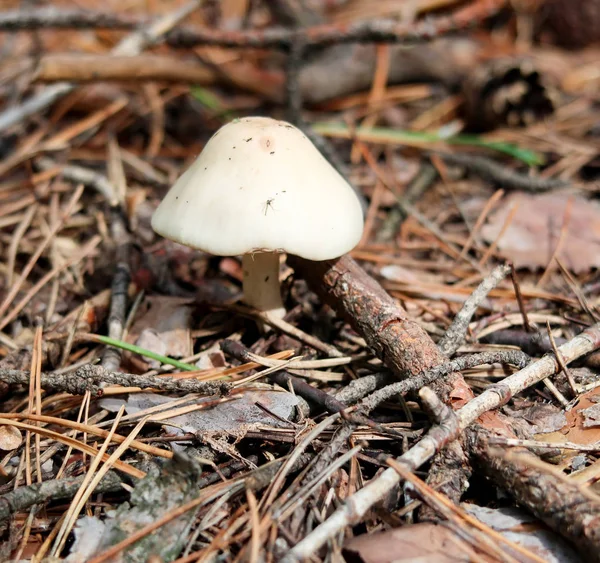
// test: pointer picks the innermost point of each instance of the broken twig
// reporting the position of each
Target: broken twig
(358, 504)
(456, 333)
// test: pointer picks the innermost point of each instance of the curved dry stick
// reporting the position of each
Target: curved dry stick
(357, 505)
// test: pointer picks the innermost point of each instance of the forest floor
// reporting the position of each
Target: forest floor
(431, 395)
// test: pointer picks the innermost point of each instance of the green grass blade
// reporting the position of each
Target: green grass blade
(211, 102)
(143, 352)
(423, 138)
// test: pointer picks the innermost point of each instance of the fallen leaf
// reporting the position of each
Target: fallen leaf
(150, 340)
(419, 542)
(591, 416)
(234, 418)
(212, 357)
(10, 438)
(169, 319)
(534, 232)
(542, 417)
(88, 532)
(575, 429)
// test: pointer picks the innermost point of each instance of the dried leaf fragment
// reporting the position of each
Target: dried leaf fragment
(535, 230)
(419, 542)
(10, 438)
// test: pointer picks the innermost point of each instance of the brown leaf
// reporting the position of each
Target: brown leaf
(534, 232)
(10, 438)
(575, 429)
(170, 321)
(542, 417)
(423, 542)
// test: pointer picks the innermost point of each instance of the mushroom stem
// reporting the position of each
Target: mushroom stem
(261, 282)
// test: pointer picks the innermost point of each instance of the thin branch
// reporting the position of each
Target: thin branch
(378, 31)
(50, 17)
(90, 377)
(81, 175)
(561, 362)
(25, 497)
(111, 357)
(456, 333)
(357, 505)
(499, 173)
(513, 357)
(519, 296)
(83, 67)
(538, 445)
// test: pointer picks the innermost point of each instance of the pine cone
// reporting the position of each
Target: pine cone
(507, 92)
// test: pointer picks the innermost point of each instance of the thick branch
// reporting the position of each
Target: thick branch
(556, 500)
(397, 340)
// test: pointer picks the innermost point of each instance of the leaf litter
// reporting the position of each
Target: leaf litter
(467, 149)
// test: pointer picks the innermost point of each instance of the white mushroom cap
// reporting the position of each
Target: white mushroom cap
(261, 185)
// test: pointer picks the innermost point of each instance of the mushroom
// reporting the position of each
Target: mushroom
(258, 189)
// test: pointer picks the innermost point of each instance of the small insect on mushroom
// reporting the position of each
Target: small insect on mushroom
(269, 203)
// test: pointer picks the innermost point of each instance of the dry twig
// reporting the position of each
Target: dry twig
(131, 45)
(56, 18)
(456, 333)
(380, 31)
(358, 504)
(91, 378)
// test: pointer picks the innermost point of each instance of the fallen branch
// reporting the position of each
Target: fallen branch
(456, 333)
(119, 291)
(357, 505)
(534, 343)
(372, 401)
(24, 497)
(493, 171)
(396, 339)
(91, 377)
(49, 17)
(97, 68)
(378, 31)
(564, 504)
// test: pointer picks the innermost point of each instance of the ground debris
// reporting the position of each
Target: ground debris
(241, 413)
(148, 413)
(164, 489)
